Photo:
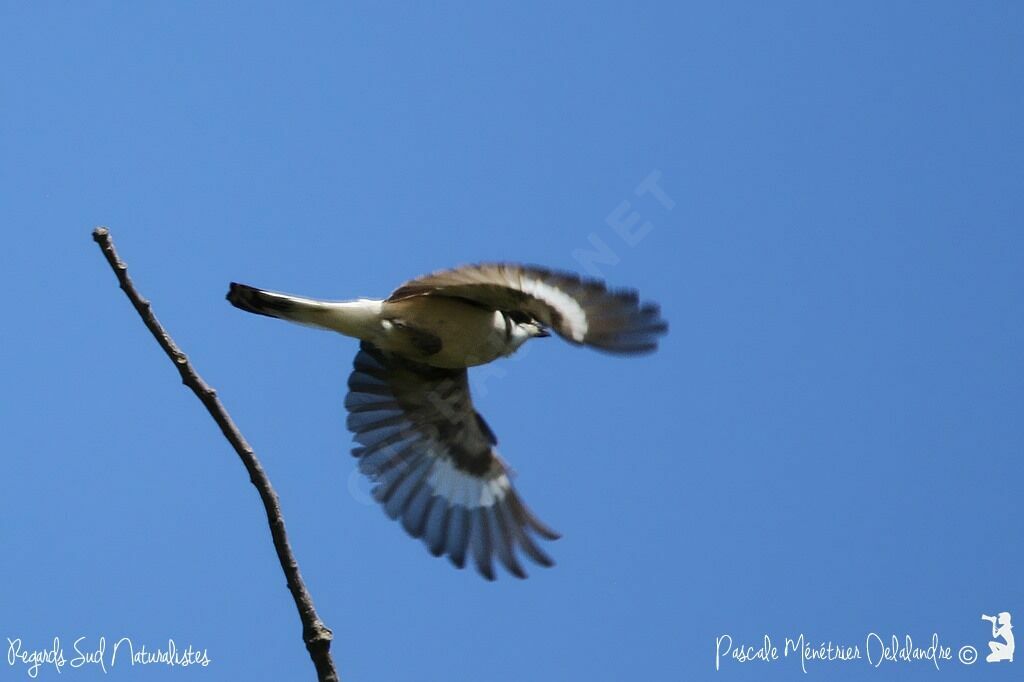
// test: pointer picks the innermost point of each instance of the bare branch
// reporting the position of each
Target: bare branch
(316, 635)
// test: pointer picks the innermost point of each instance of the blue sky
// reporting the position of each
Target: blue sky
(827, 443)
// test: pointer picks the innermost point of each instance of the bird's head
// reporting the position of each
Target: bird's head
(522, 328)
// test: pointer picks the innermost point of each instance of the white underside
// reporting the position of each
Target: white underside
(465, 489)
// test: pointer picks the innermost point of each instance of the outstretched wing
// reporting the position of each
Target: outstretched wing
(580, 310)
(433, 460)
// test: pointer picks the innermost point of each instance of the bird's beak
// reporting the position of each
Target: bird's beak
(541, 333)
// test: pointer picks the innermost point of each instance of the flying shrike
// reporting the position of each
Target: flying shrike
(430, 453)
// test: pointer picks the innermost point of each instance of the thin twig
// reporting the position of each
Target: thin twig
(316, 635)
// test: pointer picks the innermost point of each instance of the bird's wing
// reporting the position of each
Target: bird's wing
(580, 310)
(433, 460)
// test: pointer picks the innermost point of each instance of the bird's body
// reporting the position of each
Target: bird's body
(446, 332)
(431, 454)
(467, 334)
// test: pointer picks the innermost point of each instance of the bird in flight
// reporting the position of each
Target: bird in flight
(430, 453)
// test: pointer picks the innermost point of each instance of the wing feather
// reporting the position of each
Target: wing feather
(583, 311)
(433, 460)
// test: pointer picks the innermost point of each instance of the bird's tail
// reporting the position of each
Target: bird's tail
(353, 318)
(282, 306)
